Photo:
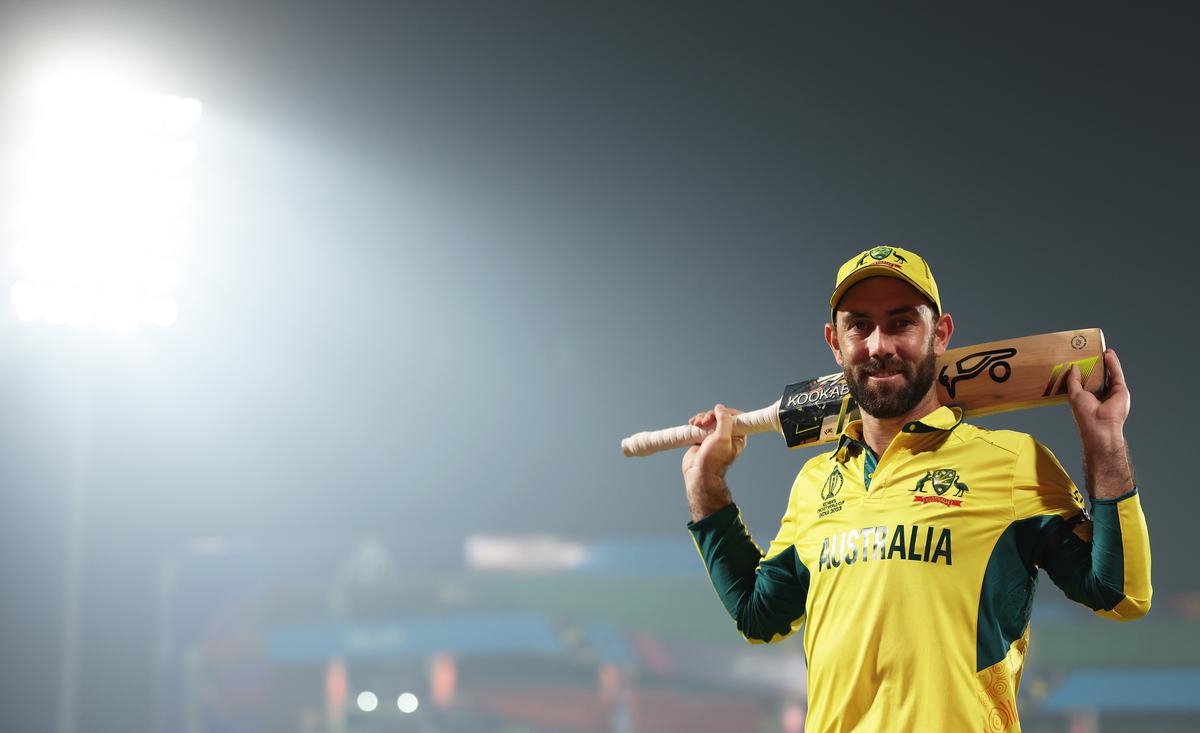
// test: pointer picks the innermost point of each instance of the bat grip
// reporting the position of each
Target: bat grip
(649, 442)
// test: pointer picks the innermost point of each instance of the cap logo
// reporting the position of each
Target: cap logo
(879, 254)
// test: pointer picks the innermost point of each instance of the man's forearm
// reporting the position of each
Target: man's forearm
(766, 598)
(706, 494)
(1107, 467)
(1110, 573)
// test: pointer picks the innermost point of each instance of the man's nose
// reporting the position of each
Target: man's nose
(880, 345)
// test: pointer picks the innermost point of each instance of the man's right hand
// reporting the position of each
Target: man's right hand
(704, 465)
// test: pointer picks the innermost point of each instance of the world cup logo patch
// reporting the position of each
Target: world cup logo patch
(830, 504)
(832, 486)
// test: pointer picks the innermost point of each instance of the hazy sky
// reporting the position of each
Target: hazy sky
(445, 255)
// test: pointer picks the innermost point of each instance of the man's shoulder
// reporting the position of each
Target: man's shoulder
(1010, 441)
(820, 461)
(817, 467)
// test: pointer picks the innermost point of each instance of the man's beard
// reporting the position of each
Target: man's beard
(884, 400)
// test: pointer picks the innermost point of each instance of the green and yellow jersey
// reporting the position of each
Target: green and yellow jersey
(912, 575)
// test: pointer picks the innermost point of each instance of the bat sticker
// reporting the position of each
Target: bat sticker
(1085, 370)
(970, 366)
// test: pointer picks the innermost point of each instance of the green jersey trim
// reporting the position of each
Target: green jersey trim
(1092, 574)
(765, 598)
(1006, 598)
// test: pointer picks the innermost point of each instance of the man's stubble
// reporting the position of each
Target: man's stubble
(885, 400)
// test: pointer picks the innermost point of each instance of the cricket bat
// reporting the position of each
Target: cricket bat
(999, 376)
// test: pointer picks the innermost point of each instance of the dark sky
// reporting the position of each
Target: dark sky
(445, 255)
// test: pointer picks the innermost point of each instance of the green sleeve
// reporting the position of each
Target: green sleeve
(1109, 571)
(765, 597)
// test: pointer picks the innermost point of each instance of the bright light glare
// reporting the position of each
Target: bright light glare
(367, 701)
(407, 702)
(103, 216)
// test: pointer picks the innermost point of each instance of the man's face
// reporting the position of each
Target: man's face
(886, 342)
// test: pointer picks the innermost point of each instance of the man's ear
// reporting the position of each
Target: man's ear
(831, 339)
(943, 328)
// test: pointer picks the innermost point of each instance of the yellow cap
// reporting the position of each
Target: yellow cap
(886, 262)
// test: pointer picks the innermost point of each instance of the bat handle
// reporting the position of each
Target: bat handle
(649, 442)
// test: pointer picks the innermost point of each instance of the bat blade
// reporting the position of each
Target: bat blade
(985, 379)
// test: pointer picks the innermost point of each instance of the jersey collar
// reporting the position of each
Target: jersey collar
(943, 419)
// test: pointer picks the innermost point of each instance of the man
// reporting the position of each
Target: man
(909, 553)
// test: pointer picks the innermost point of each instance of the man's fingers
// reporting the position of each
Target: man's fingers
(711, 420)
(1116, 376)
(1074, 384)
(724, 421)
(1118, 392)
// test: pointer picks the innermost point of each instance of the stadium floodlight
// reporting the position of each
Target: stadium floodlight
(103, 217)
(367, 701)
(407, 702)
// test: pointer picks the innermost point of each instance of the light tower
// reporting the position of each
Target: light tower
(100, 223)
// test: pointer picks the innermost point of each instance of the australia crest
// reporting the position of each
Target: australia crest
(942, 480)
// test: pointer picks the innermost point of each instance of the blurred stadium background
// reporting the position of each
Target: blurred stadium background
(324, 322)
(623, 635)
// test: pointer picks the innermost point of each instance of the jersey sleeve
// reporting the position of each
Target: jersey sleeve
(764, 594)
(1101, 561)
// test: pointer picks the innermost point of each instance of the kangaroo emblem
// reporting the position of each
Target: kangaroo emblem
(943, 480)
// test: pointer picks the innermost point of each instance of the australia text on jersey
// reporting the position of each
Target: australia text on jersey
(912, 542)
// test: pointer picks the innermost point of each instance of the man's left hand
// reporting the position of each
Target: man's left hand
(1100, 419)
(1101, 423)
